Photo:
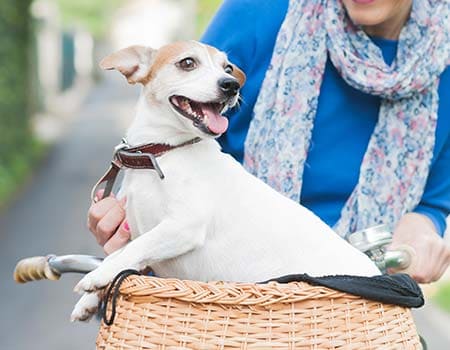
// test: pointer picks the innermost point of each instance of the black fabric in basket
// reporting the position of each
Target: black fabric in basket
(397, 289)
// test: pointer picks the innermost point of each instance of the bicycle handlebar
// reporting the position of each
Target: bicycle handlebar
(34, 269)
(397, 259)
(51, 267)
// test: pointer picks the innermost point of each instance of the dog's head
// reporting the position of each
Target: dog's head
(196, 82)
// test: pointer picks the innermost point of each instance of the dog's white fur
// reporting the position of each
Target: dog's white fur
(208, 219)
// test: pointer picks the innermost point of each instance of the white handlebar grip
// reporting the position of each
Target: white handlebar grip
(34, 269)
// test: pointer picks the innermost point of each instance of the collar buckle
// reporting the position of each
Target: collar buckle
(123, 145)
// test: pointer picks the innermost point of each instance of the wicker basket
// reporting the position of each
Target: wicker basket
(154, 313)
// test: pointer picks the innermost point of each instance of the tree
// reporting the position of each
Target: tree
(16, 142)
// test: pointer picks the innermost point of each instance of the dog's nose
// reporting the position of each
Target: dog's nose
(230, 87)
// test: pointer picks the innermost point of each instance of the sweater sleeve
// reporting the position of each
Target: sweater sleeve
(246, 30)
(231, 30)
(435, 202)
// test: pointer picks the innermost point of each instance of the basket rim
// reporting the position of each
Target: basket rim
(139, 287)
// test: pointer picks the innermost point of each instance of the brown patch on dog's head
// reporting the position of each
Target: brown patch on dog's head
(167, 54)
(239, 75)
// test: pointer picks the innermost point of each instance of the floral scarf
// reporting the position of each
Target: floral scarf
(396, 164)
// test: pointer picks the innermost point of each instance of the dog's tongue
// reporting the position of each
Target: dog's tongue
(215, 122)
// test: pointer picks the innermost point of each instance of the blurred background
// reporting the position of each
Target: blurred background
(60, 117)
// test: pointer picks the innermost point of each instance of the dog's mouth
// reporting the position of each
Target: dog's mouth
(205, 116)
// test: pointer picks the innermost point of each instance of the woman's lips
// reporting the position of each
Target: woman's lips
(363, 2)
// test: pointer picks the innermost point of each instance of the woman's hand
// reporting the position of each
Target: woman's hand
(106, 220)
(432, 254)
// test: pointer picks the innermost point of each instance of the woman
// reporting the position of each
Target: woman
(351, 101)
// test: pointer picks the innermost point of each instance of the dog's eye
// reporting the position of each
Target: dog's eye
(228, 69)
(187, 64)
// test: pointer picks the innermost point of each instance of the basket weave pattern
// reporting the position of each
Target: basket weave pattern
(154, 313)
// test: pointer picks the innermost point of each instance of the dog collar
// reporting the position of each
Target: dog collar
(137, 157)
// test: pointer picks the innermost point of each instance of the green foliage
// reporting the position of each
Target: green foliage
(442, 297)
(17, 146)
(18, 168)
(205, 12)
(92, 15)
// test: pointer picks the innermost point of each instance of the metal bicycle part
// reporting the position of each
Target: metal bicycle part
(398, 259)
(74, 263)
(51, 267)
(374, 241)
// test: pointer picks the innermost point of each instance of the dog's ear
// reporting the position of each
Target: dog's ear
(239, 75)
(134, 63)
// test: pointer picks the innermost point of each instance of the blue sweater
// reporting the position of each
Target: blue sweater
(246, 30)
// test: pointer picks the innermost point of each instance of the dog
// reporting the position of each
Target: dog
(208, 219)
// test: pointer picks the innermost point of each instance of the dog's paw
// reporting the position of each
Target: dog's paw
(99, 278)
(92, 282)
(86, 308)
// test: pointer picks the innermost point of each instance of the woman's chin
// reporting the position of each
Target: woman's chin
(367, 17)
(377, 12)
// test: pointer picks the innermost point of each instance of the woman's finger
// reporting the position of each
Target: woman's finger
(99, 195)
(109, 223)
(445, 262)
(98, 210)
(119, 239)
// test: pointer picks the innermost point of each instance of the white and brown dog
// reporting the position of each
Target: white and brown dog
(208, 219)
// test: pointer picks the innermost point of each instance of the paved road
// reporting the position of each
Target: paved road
(49, 217)
(434, 326)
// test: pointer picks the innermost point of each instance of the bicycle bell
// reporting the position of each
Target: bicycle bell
(374, 241)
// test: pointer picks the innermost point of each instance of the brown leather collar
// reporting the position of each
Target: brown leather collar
(138, 157)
